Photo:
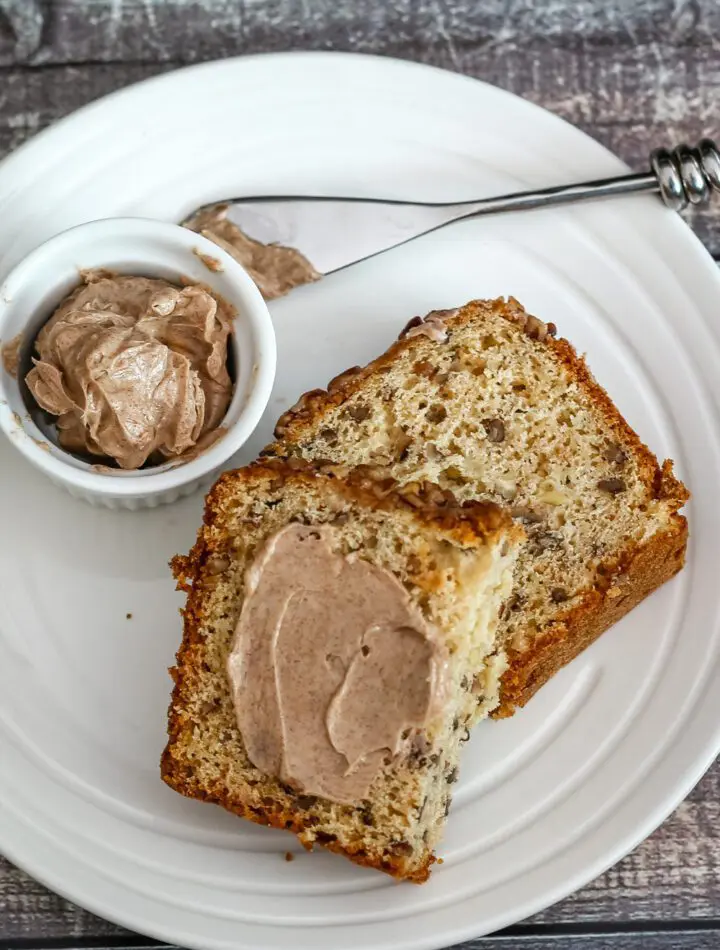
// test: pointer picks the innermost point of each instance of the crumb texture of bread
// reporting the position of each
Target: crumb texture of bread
(456, 563)
(490, 405)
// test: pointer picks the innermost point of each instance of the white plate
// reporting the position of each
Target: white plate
(548, 799)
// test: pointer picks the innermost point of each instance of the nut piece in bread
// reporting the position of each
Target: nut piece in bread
(454, 561)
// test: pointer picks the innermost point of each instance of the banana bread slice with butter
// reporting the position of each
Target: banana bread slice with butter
(335, 634)
(485, 401)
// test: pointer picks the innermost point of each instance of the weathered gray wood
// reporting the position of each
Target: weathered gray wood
(27, 909)
(641, 940)
(633, 74)
(30, 99)
(193, 30)
(21, 29)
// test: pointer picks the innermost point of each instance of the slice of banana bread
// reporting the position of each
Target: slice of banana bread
(450, 566)
(485, 401)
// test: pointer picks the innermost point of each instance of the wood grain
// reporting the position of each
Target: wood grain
(632, 74)
(639, 940)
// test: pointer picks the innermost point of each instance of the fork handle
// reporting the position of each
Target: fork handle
(685, 176)
(564, 194)
(332, 233)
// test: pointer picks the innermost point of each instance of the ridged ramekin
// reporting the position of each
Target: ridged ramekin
(31, 292)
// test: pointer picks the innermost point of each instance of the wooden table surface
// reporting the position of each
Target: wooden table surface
(632, 73)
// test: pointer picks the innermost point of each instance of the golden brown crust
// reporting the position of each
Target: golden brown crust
(312, 406)
(640, 573)
(307, 413)
(468, 524)
(644, 567)
(173, 774)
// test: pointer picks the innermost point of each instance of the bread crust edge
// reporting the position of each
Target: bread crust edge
(467, 524)
(640, 573)
(170, 771)
(644, 567)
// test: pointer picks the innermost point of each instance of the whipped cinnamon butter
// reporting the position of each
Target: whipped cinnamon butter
(10, 353)
(135, 369)
(332, 666)
(274, 268)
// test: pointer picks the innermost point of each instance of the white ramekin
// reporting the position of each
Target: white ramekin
(145, 248)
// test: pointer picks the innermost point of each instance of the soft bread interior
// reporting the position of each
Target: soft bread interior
(457, 575)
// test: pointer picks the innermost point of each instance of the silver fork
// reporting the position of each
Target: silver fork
(332, 233)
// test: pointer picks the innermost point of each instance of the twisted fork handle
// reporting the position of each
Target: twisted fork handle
(687, 175)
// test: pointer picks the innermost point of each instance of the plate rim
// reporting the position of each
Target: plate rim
(690, 777)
